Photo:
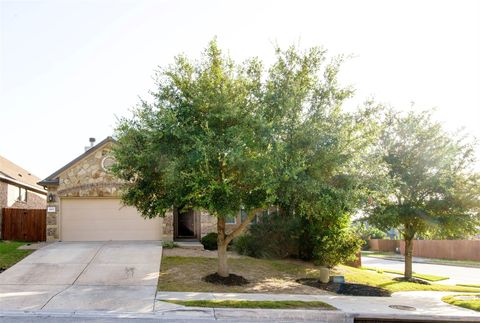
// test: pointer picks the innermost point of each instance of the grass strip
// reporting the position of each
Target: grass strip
(469, 285)
(473, 304)
(367, 277)
(439, 261)
(431, 278)
(254, 304)
(10, 255)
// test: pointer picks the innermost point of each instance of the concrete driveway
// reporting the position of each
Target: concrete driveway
(84, 276)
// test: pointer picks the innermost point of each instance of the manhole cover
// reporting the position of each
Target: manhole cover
(402, 307)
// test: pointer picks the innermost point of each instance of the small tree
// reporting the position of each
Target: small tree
(431, 185)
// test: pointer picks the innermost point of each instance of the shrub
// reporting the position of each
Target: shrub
(335, 249)
(210, 241)
(247, 245)
(275, 236)
(169, 244)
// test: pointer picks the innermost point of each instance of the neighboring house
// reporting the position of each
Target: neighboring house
(84, 205)
(18, 187)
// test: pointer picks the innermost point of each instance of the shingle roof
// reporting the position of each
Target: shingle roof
(16, 174)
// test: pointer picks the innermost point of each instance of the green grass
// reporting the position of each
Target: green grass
(360, 276)
(431, 278)
(10, 255)
(473, 304)
(449, 262)
(254, 304)
(470, 285)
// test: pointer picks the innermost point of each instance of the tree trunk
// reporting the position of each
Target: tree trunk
(223, 240)
(408, 257)
(222, 249)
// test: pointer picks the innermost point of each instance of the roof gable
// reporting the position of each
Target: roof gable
(13, 172)
(53, 178)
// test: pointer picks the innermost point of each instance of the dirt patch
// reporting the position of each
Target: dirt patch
(411, 280)
(346, 288)
(231, 280)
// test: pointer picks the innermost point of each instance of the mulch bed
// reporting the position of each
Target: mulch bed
(2, 269)
(231, 280)
(345, 288)
(411, 280)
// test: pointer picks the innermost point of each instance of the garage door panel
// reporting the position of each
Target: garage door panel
(105, 219)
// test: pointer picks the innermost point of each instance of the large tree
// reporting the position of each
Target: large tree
(221, 136)
(430, 184)
(321, 149)
(201, 144)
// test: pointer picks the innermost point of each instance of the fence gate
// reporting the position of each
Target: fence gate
(24, 224)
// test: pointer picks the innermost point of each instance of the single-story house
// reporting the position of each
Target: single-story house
(84, 204)
(19, 188)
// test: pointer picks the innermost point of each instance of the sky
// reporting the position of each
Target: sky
(69, 69)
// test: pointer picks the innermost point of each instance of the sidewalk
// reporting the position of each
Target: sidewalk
(427, 305)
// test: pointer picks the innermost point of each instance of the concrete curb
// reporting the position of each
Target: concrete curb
(193, 313)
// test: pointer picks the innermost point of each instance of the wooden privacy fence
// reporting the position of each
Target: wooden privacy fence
(440, 249)
(24, 224)
(383, 245)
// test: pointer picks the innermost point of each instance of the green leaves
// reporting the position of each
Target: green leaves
(430, 185)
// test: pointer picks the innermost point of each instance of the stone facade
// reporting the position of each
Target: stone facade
(87, 178)
(209, 223)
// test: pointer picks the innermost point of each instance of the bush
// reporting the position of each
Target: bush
(247, 245)
(335, 249)
(210, 241)
(169, 244)
(275, 236)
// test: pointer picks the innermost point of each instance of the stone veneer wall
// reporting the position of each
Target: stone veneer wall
(87, 178)
(209, 223)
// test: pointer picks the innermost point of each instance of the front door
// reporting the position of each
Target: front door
(187, 224)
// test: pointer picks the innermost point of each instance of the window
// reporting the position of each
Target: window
(22, 194)
(243, 216)
(231, 220)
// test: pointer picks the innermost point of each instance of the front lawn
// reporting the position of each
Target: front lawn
(360, 276)
(254, 304)
(184, 274)
(10, 255)
(473, 304)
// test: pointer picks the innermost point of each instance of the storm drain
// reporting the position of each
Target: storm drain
(402, 307)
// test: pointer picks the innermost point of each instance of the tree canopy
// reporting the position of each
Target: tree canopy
(221, 136)
(430, 184)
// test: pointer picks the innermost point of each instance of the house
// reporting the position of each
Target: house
(18, 187)
(84, 205)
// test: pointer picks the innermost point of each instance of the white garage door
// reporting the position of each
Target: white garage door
(105, 219)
